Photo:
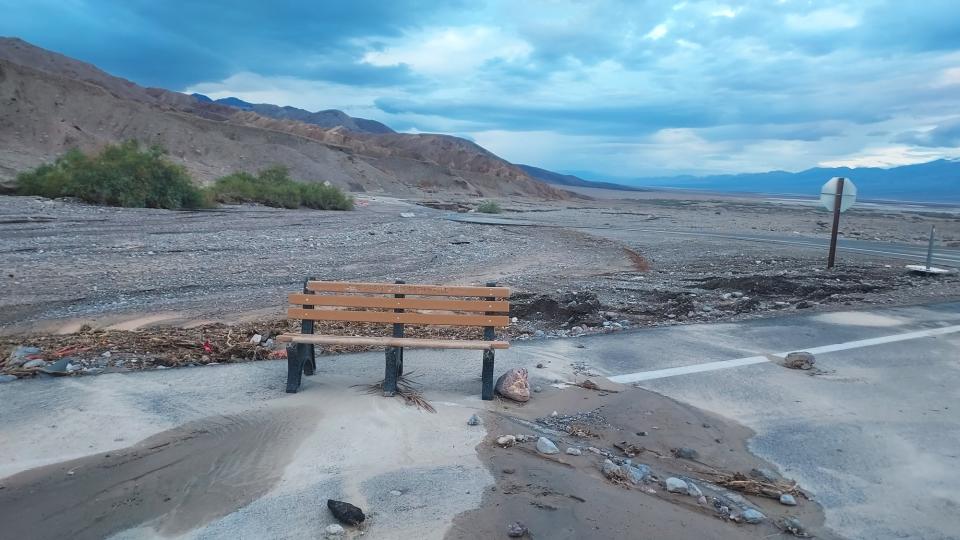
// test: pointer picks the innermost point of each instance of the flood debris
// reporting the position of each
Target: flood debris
(516, 530)
(407, 390)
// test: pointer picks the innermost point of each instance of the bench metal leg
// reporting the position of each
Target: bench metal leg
(310, 363)
(296, 356)
(391, 372)
(400, 363)
(486, 392)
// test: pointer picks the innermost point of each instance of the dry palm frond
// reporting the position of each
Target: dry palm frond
(406, 389)
(638, 261)
(740, 482)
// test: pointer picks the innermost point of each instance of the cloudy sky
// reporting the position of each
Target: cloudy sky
(611, 88)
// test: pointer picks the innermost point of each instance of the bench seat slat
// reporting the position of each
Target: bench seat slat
(416, 343)
(438, 304)
(405, 318)
(400, 288)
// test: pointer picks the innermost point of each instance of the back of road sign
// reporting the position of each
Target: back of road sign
(828, 194)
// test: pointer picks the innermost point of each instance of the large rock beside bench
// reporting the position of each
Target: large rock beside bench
(514, 385)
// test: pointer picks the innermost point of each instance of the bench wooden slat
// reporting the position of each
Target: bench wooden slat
(437, 304)
(417, 343)
(419, 290)
(405, 318)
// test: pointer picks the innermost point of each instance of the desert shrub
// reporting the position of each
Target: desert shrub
(120, 175)
(489, 207)
(274, 187)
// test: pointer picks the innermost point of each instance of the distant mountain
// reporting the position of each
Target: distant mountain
(934, 181)
(330, 118)
(558, 179)
(50, 103)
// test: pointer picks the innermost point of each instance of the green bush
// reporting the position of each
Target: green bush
(274, 187)
(120, 175)
(489, 207)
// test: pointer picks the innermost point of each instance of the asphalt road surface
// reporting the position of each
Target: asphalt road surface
(949, 258)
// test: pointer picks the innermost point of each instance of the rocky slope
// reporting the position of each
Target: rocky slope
(329, 118)
(51, 103)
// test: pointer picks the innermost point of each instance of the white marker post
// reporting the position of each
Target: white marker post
(838, 194)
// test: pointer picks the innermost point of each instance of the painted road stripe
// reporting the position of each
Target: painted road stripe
(750, 360)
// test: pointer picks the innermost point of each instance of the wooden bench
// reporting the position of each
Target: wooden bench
(399, 304)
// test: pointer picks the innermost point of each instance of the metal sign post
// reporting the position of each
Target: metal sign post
(933, 231)
(838, 194)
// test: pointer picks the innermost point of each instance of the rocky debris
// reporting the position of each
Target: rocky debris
(636, 473)
(64, 366)
(799, 360)
(576, 424)
(685, 453)
(30, 364)
(676, 485)
(788, 500)
(474, 420)
(334, 531)
(7, 378)
(570, 307)
(507, 440)
(573, 451)
(21, 354)
(793, 526)
(514, 385)
(516, 530)
(752, 516)
(613, 471)
(546, 446)
(693, 490)
(345, 512)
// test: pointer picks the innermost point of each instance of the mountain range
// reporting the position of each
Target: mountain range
(934, 181)
(52, 103)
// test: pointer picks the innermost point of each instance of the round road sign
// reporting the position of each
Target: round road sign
(828, 194)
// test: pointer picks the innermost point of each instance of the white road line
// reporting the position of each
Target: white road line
(750, 360)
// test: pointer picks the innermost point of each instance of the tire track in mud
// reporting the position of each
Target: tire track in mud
(173, 481)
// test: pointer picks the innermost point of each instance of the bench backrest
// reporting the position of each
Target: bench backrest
(400, 303)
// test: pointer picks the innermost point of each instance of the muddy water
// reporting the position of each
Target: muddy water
(174, 481)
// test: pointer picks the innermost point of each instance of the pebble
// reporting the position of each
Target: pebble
(546, 446)
(334, 530)
(611, 470)
(538, 389)
(794, 526)
(693, 490)
(574, 451)
(396, 493)
(676, 485)
(685, 453)
(507, 440)
(34, 363)
(516, 530)
(540, 366)
(752, 516)
(788, 500)
(474, 420)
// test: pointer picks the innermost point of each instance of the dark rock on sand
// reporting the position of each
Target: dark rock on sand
(346, 512)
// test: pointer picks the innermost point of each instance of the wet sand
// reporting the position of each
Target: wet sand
(567, 497)
(173, 481)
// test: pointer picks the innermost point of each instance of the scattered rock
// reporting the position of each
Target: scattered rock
(20, 355)
(60, 367)
(637, 473)
(546, 446)
(407, 214)
(685, 453)
(799, 360)
(256, 339)
(693, 490)
(788, 499)
(574, 451)
(793, 526)
(612, 471)
(752, 516)
(516, 530)
(396, 492)
(537, 389)
(334, 531)
(474, 420)
(508, 470)
(540, 365)
(507, 440)
(514, 385)
(676, 485)
(34, 364)
(346, 512)
(7, 378)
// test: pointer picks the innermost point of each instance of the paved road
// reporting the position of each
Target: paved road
(917, 254)
(876, 437)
